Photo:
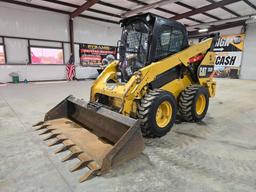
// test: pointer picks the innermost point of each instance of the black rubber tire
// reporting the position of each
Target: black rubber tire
(147, 112)
(187, 103)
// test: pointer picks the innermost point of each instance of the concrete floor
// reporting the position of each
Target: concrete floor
(218, 154)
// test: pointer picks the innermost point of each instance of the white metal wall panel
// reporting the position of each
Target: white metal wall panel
(95, 32)
(66, 52)
(45, 43)
(33, 72)
(248, 67)
(32, 23)
(17, 51)
(49, 4)
(98, 15)
(77, 57)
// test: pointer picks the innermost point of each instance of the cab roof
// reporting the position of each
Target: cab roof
(153, 18)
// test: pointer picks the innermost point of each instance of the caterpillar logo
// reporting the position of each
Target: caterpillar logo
(205, 70)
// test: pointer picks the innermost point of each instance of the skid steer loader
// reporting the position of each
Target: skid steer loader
(157, 76)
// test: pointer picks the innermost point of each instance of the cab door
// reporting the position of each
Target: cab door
(169, 38)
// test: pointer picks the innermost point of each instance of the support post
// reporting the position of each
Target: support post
(71, 37)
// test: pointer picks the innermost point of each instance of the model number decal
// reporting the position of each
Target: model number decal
(205, 71)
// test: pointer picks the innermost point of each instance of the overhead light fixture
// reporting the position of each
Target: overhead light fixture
(203, 30)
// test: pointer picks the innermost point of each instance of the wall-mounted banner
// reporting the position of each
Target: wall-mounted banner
(229, 51)
(93, 55)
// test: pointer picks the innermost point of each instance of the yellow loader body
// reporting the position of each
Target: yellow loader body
(123, 96)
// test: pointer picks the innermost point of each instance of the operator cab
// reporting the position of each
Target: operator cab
(148, 38)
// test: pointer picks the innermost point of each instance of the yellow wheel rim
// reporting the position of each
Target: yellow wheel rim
(200, 104)
(164, 114)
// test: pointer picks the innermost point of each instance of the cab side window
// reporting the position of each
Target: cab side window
(176, 41)
(169, 41)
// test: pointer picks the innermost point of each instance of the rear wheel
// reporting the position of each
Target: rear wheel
(193, 103)
(157, 112)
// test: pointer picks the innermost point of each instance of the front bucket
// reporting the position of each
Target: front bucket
(98, 137)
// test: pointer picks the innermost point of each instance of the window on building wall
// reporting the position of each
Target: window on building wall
(2, 54)
(46, 55)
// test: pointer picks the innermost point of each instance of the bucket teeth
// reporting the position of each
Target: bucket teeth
(51, 136)
(63, 148)
(39, 123)
(88, 175)
(45, 132)
(71, 156)
(58, 141)
(93, 165)
(42, 127)
(81, 164)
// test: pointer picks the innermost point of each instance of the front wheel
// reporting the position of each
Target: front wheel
(157, 112)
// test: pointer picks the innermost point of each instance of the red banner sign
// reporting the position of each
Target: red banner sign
(92, 55)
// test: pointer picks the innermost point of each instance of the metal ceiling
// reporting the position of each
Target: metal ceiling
(189, 12)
